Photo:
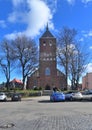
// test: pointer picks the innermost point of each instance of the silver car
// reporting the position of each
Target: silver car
(77, 96)
(3, 97)
(73, 96)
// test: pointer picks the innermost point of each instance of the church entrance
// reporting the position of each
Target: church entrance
(47, 87)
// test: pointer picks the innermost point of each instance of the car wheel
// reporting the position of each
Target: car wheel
(20, 99)
(91, 98)
(5, 99)
(71, 99)
(81, 99)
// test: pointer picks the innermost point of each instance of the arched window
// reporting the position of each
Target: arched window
(47, 71)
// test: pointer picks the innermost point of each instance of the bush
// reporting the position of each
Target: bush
(38, 88)
(25, 93)
(28, 93)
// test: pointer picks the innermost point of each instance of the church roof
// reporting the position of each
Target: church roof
(16, 81)
(47, 33)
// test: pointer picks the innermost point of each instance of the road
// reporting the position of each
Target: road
(40, 114)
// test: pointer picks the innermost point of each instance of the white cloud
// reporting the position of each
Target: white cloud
(86, 1)
(15, 17)
(17, 2)
(52, 5)
(38, 17)
(90, 33)
(90, 47)
(87, 33)
(89, 68)
(81, 39)
(35, 13)
(13, 35)
(71, 2)
(2, 24)
(20, 11)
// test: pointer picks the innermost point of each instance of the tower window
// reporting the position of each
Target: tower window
(50, 43)
(47, 71)
(44, 43)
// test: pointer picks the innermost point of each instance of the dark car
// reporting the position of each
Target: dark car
(69, 96)
(87, 92)
(16, 97)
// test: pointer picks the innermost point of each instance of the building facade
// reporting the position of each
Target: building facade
(47, 76)
(87, 81)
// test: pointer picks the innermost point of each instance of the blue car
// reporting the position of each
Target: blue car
(57, 96)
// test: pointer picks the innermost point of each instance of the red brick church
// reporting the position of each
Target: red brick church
(47, 76)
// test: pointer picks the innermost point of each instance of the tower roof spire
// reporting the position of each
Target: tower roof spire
(47, 27)
(47, 33)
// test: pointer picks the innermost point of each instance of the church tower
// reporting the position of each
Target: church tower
(47, 59)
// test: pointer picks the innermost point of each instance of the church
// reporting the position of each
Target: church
(47, 76)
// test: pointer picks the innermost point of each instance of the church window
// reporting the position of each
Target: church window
(47, 71)
(44, 43)
(50, 43)
(35, 82)
(47, 59)
(50, 54)
(44, 59)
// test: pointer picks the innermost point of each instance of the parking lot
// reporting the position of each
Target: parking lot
(40, 114)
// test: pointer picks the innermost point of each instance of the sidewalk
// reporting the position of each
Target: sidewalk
(38, 98)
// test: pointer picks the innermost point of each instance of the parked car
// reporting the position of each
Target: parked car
(87, 95)
(3, 97)
(73, 96)
(87, 92)
(16, 97)
(57, 96)
(77, 96)
(69, 96)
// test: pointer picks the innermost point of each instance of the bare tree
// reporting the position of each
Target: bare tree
(6, 60)
(65, 39)
(70, 56)
(73, 65)
(26, 53)
(77, 65)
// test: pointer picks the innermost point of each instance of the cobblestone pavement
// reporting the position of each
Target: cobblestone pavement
(41, 114)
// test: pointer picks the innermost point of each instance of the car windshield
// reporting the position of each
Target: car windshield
(16, 94)
(68, 92)
(58, 93)
(1, 94)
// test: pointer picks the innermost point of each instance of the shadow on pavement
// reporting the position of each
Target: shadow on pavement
(44, 101)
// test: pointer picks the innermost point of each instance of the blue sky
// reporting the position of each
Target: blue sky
(30, 17)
